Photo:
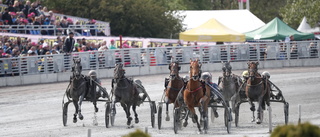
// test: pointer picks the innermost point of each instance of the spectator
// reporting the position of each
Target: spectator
(92, 23)
(9, 2)
(16, 6)
(26, 8)
(125, 44)
(33, 49)
(6, 17)
(112, 45)
(11, 8)
(52, 17)
(179, 43)
(44, 49)
(56, 47)
(68, 43)
(33, 9)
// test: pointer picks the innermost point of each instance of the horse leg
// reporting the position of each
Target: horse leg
(252, 108)
(167, 112)
(75, 103)
(136, 120)
(126, 109)
(260, 110)
(203, 112)
(185, 123)
(80, 103)
(94, 99)
(194, 116)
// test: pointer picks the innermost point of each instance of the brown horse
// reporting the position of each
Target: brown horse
(174, 86)
(257, 89)
(197, 95)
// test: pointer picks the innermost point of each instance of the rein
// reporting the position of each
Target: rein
(179, 78)
(200, 87)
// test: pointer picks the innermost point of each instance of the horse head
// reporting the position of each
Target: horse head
(174, 70)
(118, 71)
(76, 67)
(226, 68)
(252, 69)
(195, 69)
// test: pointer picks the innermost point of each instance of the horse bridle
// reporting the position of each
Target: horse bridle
(76, 74)
(226, 69)
(195, 78)
(173, 76)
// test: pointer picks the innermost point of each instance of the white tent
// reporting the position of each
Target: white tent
(305, 27)
(239, 20)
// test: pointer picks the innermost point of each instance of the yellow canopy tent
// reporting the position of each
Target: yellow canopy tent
(212, 31)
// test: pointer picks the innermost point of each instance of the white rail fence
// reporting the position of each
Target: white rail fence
(140, 57)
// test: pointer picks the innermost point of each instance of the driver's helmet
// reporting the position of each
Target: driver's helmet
(93, 74)
(186, 78)
(266, 74)
(206, 76)
(245, 73)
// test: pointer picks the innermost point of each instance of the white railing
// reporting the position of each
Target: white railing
(52, 30)
(135, 57)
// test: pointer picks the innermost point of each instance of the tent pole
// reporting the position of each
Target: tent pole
(248, 5)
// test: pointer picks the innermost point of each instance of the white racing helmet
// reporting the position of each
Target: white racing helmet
(206, 76)
(266, 74)
(92, 73)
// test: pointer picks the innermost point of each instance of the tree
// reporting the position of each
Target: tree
(136, 18)
(266, 10)
(295, 10)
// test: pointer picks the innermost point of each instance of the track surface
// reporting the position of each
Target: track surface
(35, 110)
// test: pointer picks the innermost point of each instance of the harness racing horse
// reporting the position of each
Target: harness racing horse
(125, 92)
(196, 95)
(257, 89)
(175, 83)
(229, 84)
(78, 90)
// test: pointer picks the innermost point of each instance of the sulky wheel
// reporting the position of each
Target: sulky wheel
(159, 115)
(286, 112)
(107, 114)
(153, 108)
(112, 114)
(176, 120)
(65, 113)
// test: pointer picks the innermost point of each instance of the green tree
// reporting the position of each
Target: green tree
(295, 10)
(136, 18)
(266, 10)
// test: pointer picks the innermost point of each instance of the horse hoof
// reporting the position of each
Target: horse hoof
(136, 120)
(253, 120)
(80, 117)
(167, 118)
(75, 120)
(185, 124)
(129, 121)
(96, 109)
(259, 121)
(216, 114)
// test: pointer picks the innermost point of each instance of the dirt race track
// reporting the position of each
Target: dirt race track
(36, 110)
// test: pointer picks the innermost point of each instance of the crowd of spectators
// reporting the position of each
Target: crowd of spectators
(20, 47)
(20, 12)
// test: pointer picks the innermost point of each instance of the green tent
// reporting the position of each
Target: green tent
(276, 30)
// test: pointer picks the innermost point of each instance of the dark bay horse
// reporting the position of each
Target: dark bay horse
(257, 89)
(125, 92)
(174, 86)
(229, 84)
(78, 90)
(196, 95)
